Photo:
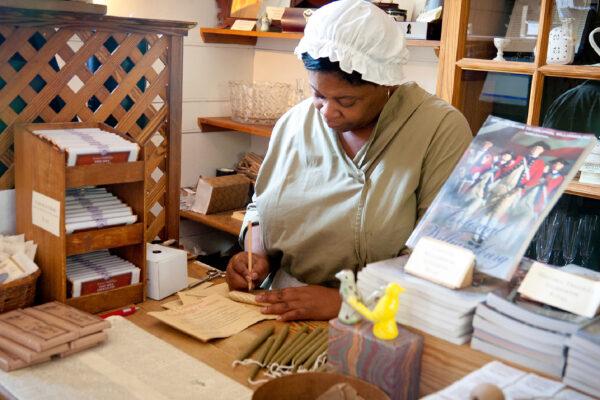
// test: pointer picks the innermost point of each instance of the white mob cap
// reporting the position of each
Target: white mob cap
(361, 37)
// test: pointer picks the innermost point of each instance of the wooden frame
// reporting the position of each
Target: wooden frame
(453, 65)
(41, 167)
(125, 72)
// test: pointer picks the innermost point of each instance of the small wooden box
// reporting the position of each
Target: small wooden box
(222, 193)
(392, 365)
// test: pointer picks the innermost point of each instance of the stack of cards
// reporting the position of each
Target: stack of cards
(86, 146)
(98, 272)
(88, 208)
(37, 334)
(16, 258)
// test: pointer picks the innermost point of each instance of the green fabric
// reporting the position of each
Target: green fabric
(576, 110)
(321, 212)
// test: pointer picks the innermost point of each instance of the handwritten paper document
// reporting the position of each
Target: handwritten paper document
(192, 296)
(212, 317)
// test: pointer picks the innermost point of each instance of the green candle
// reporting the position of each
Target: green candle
(277, 356)
(255, 344)
(260, 356)
(277, 343)
(292, 350)
(315, 355)
(310, 348)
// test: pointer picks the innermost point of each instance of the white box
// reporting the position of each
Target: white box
(167, 270)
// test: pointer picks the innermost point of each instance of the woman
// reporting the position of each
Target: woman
(348, 172)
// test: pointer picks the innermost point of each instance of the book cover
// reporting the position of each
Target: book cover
(507, 181)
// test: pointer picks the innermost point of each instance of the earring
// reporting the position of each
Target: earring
(388, 93)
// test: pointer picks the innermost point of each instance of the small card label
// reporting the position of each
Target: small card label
(45, 213)
(243, 25)
(440, 262)
(560, 289)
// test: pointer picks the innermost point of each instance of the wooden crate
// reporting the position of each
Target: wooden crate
(41, 167)
(126, 72)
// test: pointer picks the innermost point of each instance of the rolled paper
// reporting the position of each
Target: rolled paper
(287, 356)
(277, 356)
(315, 355)
(307, 352)
(260, 357)
(308, 342)
(277, 343)
(255, 344)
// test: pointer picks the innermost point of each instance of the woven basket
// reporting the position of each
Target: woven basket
(18, 293)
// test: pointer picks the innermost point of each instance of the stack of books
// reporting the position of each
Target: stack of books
(590, 169)
(528, 333)
(86, 146)
(89, 208)
(98, 272)
(424, 305)
(583, 360)
(37, 334)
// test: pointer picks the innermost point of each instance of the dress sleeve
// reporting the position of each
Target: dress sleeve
(449, 142)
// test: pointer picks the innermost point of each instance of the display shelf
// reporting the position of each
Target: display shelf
(221, 221)
(583, 190)
(572, 71)
(218, 124)
(228, 36)
(511, 67)
(41, 168)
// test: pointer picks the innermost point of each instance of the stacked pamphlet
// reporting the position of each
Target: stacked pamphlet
(89, 208)
(86, 146)
(424, 305)
(583, 360)
(590, 169)
(514, 383)
(528, 333)
(98, 272)
(16, 258)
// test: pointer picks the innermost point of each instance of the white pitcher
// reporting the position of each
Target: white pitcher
(593, 42)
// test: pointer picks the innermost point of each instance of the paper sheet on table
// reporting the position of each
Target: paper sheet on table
(193, 295)
(172, 305)
(212, 317)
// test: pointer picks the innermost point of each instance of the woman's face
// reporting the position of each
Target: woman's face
(346, 107)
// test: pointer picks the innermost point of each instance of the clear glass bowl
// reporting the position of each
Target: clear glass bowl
(259, 102)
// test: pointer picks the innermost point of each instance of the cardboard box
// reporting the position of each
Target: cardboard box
(222, 193)
(167, 270)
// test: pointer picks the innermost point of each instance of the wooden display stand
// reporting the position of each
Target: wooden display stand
(41, 167)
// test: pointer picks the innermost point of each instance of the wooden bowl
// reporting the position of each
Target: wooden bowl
(310, 385)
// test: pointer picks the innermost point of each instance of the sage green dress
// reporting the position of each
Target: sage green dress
(321, 211)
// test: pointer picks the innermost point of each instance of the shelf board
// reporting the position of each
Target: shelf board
(228, 36)
(110, 299)
(105, 238)
(511, 67)
(572, 71)
(217, 124)
(584, 190)
(221, 221)
(104, 174)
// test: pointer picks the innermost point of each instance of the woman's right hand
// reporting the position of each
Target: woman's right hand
(237, 274)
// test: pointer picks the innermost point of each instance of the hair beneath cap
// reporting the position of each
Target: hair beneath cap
(324, 64)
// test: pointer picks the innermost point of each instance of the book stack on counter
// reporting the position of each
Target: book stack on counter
(424, 305)
(583, 360)
(98, 272)
(86, 146)
(525, 332)
(37, 334)
(89, 208)
(514, 384)
(590, 169)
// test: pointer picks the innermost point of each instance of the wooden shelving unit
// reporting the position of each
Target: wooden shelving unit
(584, 190)
(221, 221)
(41, 167)
(217, 124)
(249, 38)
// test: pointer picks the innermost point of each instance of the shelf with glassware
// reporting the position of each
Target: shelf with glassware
(218, 124)
(517, 70)
(229, 36)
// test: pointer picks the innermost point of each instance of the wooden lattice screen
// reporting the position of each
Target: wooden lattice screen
(126, 72)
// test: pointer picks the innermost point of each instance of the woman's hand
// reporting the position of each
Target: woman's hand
(305, 302)
(237, 274)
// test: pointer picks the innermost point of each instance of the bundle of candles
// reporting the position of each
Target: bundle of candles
(282, 354)
(249, 165)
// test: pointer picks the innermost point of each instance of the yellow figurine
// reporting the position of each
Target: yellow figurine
(383, 315)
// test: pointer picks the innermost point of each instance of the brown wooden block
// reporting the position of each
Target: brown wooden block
(9, 362)
(32, 332)
(88, 341)
(27, 354)
(87, 323)
(52, 320)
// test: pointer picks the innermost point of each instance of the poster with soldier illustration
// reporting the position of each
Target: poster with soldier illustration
(507, 181)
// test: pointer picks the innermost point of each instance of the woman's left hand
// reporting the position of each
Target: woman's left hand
(302, 303)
